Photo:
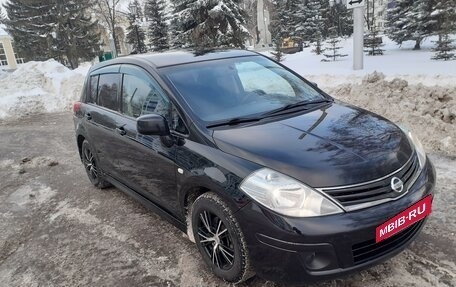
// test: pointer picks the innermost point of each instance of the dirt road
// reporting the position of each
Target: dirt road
(57, 230)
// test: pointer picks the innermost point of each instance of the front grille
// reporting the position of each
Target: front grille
(375, 190)
(369, 250)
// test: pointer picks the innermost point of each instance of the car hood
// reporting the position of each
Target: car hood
(334, 145)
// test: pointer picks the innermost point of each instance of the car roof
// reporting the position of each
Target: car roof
(177, 57)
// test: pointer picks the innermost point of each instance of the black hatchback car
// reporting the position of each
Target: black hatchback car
(266, 173)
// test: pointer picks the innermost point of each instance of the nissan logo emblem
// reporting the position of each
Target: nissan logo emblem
(397, 185)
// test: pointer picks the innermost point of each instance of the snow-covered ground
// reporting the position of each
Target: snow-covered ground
(413, 66)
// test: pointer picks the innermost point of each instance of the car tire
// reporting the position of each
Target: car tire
(219, 239)
(91, 167)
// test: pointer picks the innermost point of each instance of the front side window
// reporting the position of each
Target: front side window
(238, 87)
(141, 97)
(108, 88)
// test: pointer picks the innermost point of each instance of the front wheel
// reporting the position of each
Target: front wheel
(220, 239)
(91, 166)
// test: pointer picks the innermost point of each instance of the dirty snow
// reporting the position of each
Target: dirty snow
(37, 87)
(430, 112)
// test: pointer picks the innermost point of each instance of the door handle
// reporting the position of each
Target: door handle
(88, 116)
(121, 131)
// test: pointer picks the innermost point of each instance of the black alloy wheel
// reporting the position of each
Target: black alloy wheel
(219, 238)
(216, 240)
(91, 167)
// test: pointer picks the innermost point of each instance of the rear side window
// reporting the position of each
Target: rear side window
(108, 89)
(93, 89)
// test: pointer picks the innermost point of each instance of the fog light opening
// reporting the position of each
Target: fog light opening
(317, 260)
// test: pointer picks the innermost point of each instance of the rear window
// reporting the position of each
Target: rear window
(93, 89)
(108, 90)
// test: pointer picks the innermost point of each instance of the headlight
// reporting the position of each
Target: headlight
(417, 145)
(286, 195)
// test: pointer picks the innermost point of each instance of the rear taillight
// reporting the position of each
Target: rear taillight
(76, 107)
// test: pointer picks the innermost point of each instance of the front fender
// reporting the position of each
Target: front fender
(209, 168)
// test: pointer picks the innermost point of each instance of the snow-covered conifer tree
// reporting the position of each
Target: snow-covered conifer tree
(410, 20)
(332, 48)
(397, 21)
(158, 27)
(53, 29)
(31, 38)
(312, 28)
(209, 24)
(373, 43)
(341, 18)
(278, 28)
(444, 16)
(294, 17)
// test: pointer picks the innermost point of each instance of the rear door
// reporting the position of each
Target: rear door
(102, 114)
(147, 165)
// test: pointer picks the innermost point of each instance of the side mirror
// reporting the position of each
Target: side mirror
(152, 124)
(315, 84)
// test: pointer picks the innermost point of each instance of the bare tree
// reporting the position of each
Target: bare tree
(107, 9)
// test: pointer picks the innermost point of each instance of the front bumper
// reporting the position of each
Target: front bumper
(304, 250)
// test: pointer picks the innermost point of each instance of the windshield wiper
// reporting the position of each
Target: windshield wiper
(296, 105)
(234, 121)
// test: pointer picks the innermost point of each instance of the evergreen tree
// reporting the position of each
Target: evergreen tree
(333, 47)
(210, 24)
(444, 16)
(77, 38)
(294, 16)
(325, 12)
(277, 53)
(419, 21)
(410, 20)
(60, 29)
(341, 18)
(278, 25)
(373, 42)
(312, 28)
(135, 33)
(158, 28)
(397, 21)
(30, 39)
(278, 28)
(446, 21)
(2, 16)
(444, 48)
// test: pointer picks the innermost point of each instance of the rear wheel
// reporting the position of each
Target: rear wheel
(219, 239)
(91, 166)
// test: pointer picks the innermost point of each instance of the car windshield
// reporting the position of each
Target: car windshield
(238, 87)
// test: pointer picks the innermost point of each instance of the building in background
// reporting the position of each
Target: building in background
(376, 14)
(8, 58)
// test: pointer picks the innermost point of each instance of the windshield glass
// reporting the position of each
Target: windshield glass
(238, 87)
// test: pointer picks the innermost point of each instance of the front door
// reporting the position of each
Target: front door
(146, 164)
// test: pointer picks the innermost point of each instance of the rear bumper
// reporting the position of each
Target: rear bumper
(304, 250)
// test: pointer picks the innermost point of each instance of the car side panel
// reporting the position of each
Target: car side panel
(146, 165)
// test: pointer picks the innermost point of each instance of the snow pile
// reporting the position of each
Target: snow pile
(37, 87)
(430, 112)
